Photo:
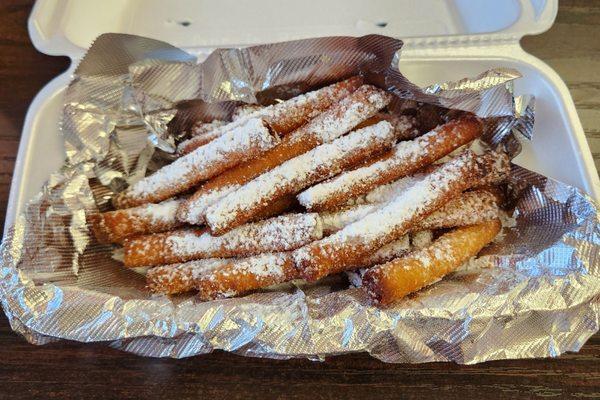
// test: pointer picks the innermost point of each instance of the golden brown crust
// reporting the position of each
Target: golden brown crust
(392, 281)
(282, 233)
(179, 278)
(116, 226)
(241, 276)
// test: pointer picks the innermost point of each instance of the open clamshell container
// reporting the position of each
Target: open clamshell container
(443, 41)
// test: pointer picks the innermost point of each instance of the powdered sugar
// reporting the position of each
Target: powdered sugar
(421, 239)
(193, 143)
(350, 111)
(192, 211)
(475, 264)
(391, 281)
(297, 173)
(395, 249)
(161, 213)
(292, 113)
(385, 193)
(180, 278)
(409, 203)
(336, 220)
(263, 265)
(392, 220)
(498, 165)
(355, 277)
(405, 126)
(287, 114)
(406, 157)
(282, 233)
(405, 152)
(203, 128)
(330, 124)
(468, 209)
(508, 220)
(115, 226)
(229, 149)
(243, 275)
(245, 110)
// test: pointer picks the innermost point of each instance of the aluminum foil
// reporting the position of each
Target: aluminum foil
(534, 293)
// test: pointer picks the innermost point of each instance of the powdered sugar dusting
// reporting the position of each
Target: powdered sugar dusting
(292, 113)
(336, 220)
(421, 239)
(405, 126)
(468, 209)
(297, 173)
(203, 128)
(115, 226)
(395, 249)
(394, 219)
(499, 169)
(508, 221)
(385, 193)
(392, 250)
(349, 112)
(263, 265)
(206, 161)
(325, 127)
(355, 277)
(191, 144)
(161, 213)
(243, 275)
(245, 110)
(192, 211)
(282, 233)
(445, 254)
(410, 202)
(287, 113)
(406, 157)
(179, 278)
(404, 153)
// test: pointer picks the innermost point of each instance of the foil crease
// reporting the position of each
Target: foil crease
(533, 293)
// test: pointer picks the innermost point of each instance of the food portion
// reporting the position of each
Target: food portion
(296, 174)
(340, 251)
(330, 182)
(282, 233)
(406, 157)
(286, 116)
(116, 226)
(335, 121)
(393, 280)
(228, 150)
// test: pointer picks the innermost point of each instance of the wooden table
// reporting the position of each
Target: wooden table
(71, 370)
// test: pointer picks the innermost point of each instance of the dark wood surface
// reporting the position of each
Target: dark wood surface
(71, 370)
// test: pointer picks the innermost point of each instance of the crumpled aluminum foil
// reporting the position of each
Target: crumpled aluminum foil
(129, 99)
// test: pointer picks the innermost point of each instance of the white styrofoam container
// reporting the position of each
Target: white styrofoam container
(444, 40)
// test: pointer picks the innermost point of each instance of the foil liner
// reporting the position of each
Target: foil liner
(533, 293)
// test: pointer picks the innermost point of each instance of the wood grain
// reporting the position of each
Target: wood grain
(71, 370)
(572, 48)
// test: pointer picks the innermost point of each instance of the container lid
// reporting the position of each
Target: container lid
(68, 27)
